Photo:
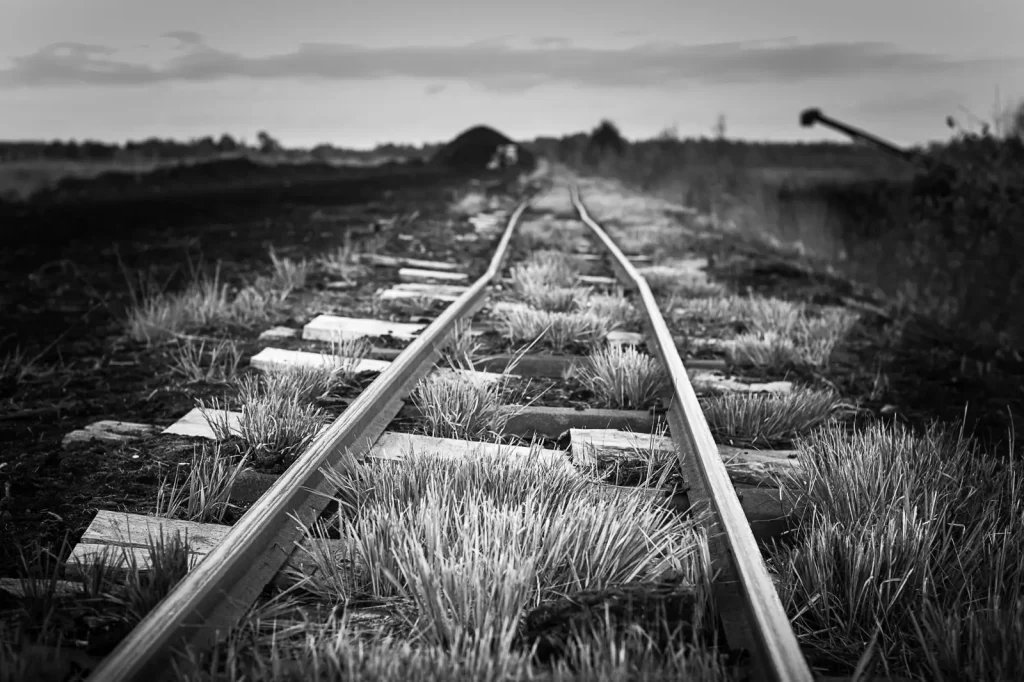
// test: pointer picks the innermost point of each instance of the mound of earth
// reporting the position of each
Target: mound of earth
(478, 147)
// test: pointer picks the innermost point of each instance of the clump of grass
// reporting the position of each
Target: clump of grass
(193, 361)
(770, 350)
(263, 648)
(454, 405)
(205, 494)
(622, 377)
(916, 538)
(668, 282)
(553, 299)
(616, 308)
(547, 280)
(462, 348)
(803, 341)
(277, 422)
(818, 336)
(768, 419)
(555, 330)
(562, 236)
(343, 261)
(156, 315)
(146, 586)
(772, 315)
(473, 542)
(288, 275)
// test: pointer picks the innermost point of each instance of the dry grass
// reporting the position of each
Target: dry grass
(277, 420)
(555, 330)
(156, 315)
(467, 546)
(915, 538)
(464, 407)
(265, 647)
(204, 495)
(621, 377)
(786, 335)
(193, 361)
(462, 349)
(769, 420)
(616, 308)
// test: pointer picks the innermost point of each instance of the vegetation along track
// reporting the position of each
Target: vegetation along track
(545, 525)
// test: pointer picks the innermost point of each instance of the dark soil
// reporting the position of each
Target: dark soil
(64, 291)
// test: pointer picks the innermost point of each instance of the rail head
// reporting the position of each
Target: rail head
(227, 581)
(779, 653)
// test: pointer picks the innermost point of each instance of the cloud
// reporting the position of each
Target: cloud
(492, 64)
(186, 39)
(551, 41)
(435, 89)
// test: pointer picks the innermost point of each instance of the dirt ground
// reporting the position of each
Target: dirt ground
(65, 288)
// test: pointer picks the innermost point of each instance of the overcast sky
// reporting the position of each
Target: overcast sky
(359, 73)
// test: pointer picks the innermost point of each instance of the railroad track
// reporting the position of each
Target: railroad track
(221, 587)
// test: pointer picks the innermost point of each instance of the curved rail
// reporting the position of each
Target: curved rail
(227, 581)
(778, 652)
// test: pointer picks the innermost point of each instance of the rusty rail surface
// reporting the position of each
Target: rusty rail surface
(778, 654)
(228, 580)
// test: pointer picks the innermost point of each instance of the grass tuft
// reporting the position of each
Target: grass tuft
(767, 419)
(917, 537)
(205, 494)
(156, 315)
(455, 405)
(277, 421)
(288, 275)
(616, 308)
(193, 361)
(622, 377)
(555, 330)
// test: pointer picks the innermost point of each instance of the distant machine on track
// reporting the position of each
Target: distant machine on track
(483, 148)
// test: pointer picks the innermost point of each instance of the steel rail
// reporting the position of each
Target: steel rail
(224, 584)
(778, 652)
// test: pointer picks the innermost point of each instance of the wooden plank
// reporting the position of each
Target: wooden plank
(552, 422)
(403, 262)
(421, 290)
(279, 359)
(617, 337)
(598, 280)
(335, 328)
(717, 382)
(745, 465)
(418, 275)
(396, 446)
(280, 333)
(118, 538)
(195, 425)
